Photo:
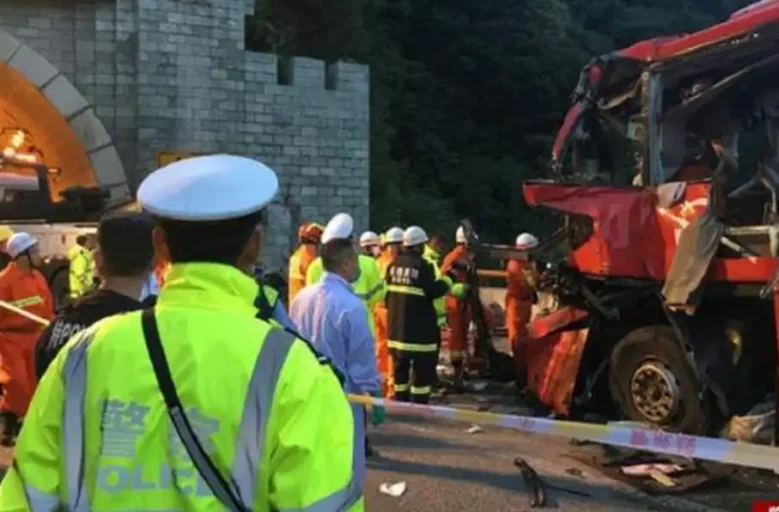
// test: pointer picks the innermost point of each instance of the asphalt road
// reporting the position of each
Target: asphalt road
(448, 469)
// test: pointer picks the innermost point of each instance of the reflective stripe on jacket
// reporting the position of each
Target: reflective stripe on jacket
(274, 420)
(81, 271)
(369, 286)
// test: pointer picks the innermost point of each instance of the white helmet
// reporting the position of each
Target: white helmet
(414, 235)
(368, 239)
(19, 243)
(393, 235)
(526, 241)
(340, 226)
(459, 236)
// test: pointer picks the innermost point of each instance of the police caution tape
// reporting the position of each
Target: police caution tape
(656, 441)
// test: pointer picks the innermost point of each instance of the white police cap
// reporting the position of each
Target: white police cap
(208, 188)
(340, 226)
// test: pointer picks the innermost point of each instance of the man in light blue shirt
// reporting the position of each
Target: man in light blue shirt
(335, 320)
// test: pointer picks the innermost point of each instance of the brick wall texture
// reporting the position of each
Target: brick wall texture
(173, 75)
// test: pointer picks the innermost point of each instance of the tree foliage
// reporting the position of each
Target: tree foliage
(467, 95)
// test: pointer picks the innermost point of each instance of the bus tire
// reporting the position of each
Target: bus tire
(652, 381)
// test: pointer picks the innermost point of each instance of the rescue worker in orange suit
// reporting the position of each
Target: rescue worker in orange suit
(457, 309)
(23, 287)
(392, 240)
(520, 297)
(309, 236)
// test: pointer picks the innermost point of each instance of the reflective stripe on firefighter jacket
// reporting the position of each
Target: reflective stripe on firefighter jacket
(412, 286)
(439, 304)
(274, 420)
(369, 286)
(81, 271)
(298, 266)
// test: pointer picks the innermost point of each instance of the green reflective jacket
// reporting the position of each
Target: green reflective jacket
(370, 285)
(273, 419)
(438, 304)
(81, 273)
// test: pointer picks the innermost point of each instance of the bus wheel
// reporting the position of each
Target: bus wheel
(651, 381)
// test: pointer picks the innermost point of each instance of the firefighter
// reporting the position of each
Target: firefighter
(370, 285)
(370, 243)
(309, 236)
(392, 240)
(458, 313)
(270, 412)
(520, 297)
(82, 267)
(413, 333)
(22, 286)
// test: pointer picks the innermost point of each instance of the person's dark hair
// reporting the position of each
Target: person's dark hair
(335, 253)
(81, 239)
(438, 238)
(125, 241)
(209, 242)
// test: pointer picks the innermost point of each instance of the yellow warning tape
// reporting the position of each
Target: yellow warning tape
(656, 441)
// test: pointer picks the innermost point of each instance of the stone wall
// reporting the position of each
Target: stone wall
(173, 75)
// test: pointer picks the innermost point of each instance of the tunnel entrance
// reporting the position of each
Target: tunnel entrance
(45, 120)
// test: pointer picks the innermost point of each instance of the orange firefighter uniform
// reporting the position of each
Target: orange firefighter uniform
(520, 296)
(457, 310)
(309, 235)
(26, 290)
(383, 357)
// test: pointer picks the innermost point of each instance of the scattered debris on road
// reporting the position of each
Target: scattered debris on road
(475, 429)
(395, 490)
(646, 469)
(533, 483)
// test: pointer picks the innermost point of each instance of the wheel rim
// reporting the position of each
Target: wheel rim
(654, 390)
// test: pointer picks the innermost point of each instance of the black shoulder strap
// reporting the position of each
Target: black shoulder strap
(264, 309)
(203, 463)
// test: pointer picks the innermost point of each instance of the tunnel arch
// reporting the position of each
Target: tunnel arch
(60, 125)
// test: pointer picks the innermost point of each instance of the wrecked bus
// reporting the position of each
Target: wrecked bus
(666, 178)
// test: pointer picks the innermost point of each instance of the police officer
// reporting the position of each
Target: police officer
(272, 424)
(412, 286)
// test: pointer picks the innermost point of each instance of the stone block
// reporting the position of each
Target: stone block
(32, 66)
(90, 130)
(8, 45)
(108, 168)
(61, 93)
